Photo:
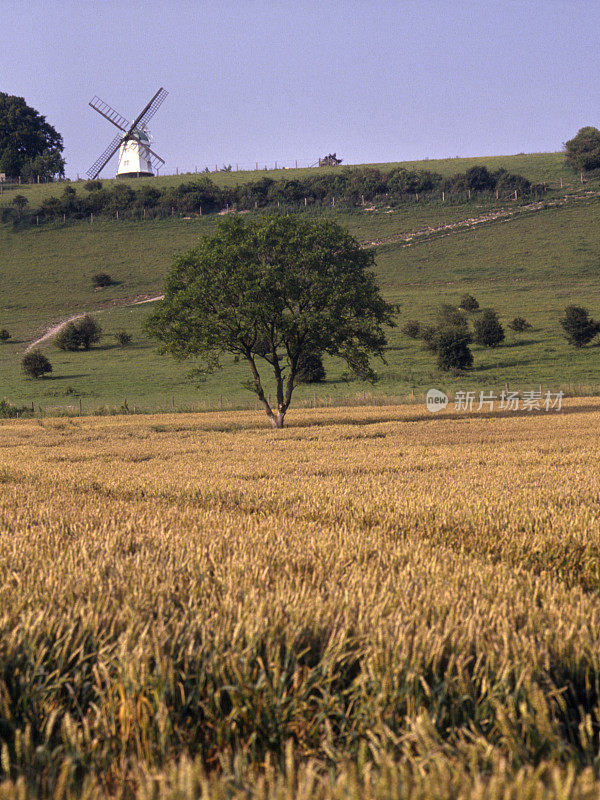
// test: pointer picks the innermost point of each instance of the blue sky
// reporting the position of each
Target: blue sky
(264, 80)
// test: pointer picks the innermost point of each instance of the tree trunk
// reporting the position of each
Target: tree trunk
(276, 419)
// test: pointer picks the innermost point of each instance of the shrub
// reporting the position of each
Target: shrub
(89, 331)
(520, 324)
(4, 336)
(123, 338)
(311, 369)
(428, 333)
(35, 364)
(78, 335)
(452, 347)
(468, 303)
(8, 411)
(488, 330)
(451, 316)
(68, 338)
(102, 279)
(92, 186)
(412, 329)
(579, 327)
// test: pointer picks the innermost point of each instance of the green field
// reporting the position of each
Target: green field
(531, 265)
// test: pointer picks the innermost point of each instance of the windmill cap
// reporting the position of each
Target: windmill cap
(138, 134)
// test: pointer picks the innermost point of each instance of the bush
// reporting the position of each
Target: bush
(452, 347)
(311, 369)
(92, 186)
(102, 279)
(579, 327)
(520, 324)
(451, 316)
(4, 336)
(488, 330)
(468, 303)
(89, 331)
(428, 333)
(8, 411)
(68, 338)
(35, 364)
(79, 335)
(412, 329)
(123, 338)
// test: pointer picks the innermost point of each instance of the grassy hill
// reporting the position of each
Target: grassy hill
(531, 265)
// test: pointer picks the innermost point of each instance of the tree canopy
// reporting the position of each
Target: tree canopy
(270, 291)
(583, 150)
(29, 146)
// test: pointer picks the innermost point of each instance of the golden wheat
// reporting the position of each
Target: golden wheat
(371, 602)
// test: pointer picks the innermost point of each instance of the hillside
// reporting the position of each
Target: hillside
(530, 263)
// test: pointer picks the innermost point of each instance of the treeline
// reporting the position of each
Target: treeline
(202, 195)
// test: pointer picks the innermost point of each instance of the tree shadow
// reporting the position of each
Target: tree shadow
(65, 377)
(501, 365)
(523, 342)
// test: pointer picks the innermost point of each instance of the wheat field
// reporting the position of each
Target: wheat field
(373, 602)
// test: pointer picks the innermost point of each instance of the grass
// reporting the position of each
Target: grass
(389, 604)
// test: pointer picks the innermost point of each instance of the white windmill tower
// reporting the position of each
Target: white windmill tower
(136, 159)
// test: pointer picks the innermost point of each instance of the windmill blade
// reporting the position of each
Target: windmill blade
(103, 160)
(109, 113)
(151, 109)
(156, 160)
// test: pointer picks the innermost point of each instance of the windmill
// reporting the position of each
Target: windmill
(136, 159)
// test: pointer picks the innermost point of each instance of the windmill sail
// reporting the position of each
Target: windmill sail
(151, 108)
(102, 160)
(109, 113)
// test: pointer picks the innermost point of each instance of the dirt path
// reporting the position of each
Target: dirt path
(54, 329)
(502, 215)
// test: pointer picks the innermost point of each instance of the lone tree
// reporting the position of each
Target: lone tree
(451, 345)
(35, 364)
(29, 146)
(579, 327)
(583, 150)
(269, 292)
(488, 329)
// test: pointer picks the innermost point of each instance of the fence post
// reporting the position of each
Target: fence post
(296, 163)
(91, 218)
(443, 197)
(515, 194)
(305, 202)
(496, 194)
(275, 165)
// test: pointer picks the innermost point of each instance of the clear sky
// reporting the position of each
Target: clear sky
(267, 80)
